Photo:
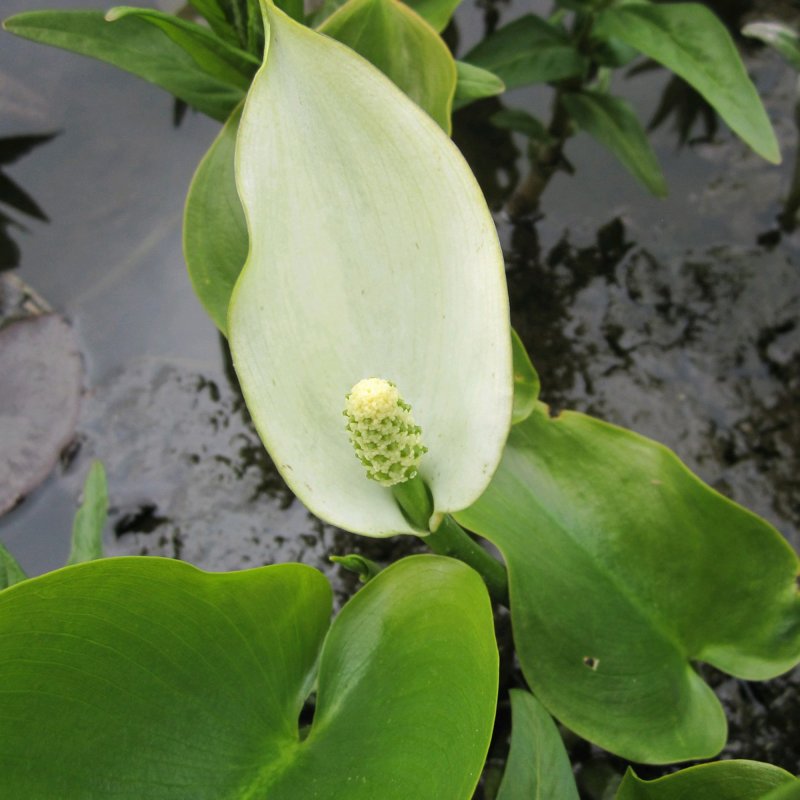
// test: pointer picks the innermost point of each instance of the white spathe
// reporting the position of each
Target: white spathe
(372, 253)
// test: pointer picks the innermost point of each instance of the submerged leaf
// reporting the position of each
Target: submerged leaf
(623, 569)
(39, 396)
(373, 254)
(403, 47)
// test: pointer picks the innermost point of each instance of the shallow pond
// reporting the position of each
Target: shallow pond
(677, 318)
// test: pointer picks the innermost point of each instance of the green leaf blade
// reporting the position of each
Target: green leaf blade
(526, 381)
(721, 780)
(437, 13)
(87, 528)
(688, 39)
(474, 84)
(135, 46)
(215, 240)
(403, 47)
(10, 570)
(538, 765)
(613, 123)
(624, 567)
(528, 50)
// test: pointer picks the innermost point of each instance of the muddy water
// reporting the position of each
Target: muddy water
(677, 318)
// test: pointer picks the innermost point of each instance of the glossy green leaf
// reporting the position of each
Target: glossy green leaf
(210, 53)
(538, 766)
(214, 228)
(688, 39)
(87, 528)
(528, 50)
(782, 38)
(403, 47)
(10, 570)
(437, 13)
(722, 780)
(137, 46)
(526, 381)
(181, 683)
(623, 569)
(371, 243)
(475, 83)
(613, 122)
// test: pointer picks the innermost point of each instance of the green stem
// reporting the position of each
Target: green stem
(449, 538)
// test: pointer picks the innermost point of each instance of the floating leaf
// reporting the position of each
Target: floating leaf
(137, 46)
(623, 569)
(39, 396)
(475, 83)
(373, 254)
(528, 50)
(613, 122)
(203, 677)
(538, 765)
(87, 529)
(722, 780)
(403, 47)
(214, 228)
(688, 39)
(782, 38)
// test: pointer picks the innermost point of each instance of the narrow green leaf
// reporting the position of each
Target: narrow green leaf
(213, 12)
(528, 50)
(87, 528)
(613, 123)
(688, 39)
(519, 121)
(211, 54)
(10, 570)
(722, 780)
(437, 13)
(475, 83)
(294, 8)
(403, 47)
(203, 677)
(369, 240)
(255, 25)
(623, 569)
(135, 45)
(526, 381)
(782, 38)
(537, 765)
(214, 228)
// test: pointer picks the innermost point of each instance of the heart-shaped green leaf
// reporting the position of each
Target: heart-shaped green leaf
(372, 254)
(613, 122)
(403, 47)
(528, 50)
(538, 765)
(623, 569)
(214, 228)
(688, 39)
(722, 780)
(137, 46)
(143, 677)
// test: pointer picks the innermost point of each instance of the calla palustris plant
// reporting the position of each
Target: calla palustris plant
(372, 255)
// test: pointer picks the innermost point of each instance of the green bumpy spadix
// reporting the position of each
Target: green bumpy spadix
(382, 431)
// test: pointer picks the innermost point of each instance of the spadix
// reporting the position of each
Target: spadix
(372, 253)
